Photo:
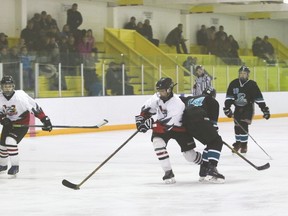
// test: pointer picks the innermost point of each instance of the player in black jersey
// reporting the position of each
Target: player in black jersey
(243, 93)
(200, 119)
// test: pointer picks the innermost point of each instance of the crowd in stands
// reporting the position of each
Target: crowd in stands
(263, 49)
(43, 41)
(219, 43)
(145, 29)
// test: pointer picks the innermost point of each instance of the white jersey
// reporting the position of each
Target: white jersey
(19, 107)
(169, 113)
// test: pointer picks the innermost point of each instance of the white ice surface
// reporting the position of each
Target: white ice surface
(130, 184)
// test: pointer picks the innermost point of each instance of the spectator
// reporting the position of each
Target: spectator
(28, 75)
(3, 40)
(92, 83)
(189, 64)
(90, 39)
(74, 18)
(65, 31)
(114, 80)
(269, 51)
(51, 23)
(148, 32)
(131, 24)
(222, 49)
(30, 36)
(69, 56)
(220, 33)
(211, 43)
(233, 52)
(202, 38)
(43, 23)
(14, 63)
(139, 28)
(175, 38)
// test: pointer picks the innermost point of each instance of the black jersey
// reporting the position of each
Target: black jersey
(205, 105)
(244, 95)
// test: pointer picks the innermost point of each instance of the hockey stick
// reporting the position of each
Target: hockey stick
(65, 126)
(252, 138)
(77, 186)
(263, 167)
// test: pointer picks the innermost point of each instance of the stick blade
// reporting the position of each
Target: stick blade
(70, 185)
(264, 167)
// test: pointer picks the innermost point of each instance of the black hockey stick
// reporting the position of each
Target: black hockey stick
(252, 138)
(77, 186)
(263, 167)
(65, 126)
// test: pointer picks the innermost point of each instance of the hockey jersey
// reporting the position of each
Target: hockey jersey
(168, 113)
(244, 95)
(18, 107)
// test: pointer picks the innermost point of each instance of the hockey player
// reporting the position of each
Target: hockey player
(15, 108)
(243, 93)
(168, 109)
(200, 119)
(202, 81)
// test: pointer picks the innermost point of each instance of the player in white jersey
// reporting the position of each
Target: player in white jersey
(167, 125)
(15, 108)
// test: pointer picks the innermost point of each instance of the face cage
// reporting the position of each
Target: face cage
(7, 89)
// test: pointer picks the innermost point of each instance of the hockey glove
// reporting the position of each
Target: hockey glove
(266, 112)
(47, 126)
(7, 123)
(228, 112)
(144, 127)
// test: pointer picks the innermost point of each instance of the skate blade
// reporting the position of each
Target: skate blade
(202, 179)
(214, 180)
(170, 181)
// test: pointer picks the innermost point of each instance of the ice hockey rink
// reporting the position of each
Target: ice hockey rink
(130, 183)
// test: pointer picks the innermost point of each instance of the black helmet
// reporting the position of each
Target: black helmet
(165, 83)
(7, 80)
(210, 91)
(244, 68)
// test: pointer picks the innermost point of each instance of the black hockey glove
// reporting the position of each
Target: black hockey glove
(143, 125)
(47, 126)
(266, 112)
(7, 123)
(228, 112)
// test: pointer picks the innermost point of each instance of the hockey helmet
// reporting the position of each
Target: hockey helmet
(244, 68)
(165, 83)
(7, 85)
(209, 91)
(242, 76)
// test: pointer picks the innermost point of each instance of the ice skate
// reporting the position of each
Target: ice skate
(243, 149)
(203, 172)
(3, 168)
(13, 170)
(214, 176)
(168, 178)
(236, 147)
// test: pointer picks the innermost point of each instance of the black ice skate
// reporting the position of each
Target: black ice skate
(236, 147)
(213, 175)
(13, 170)
(168, 178)
(243, 149)
(3, 168)
(203, 171)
